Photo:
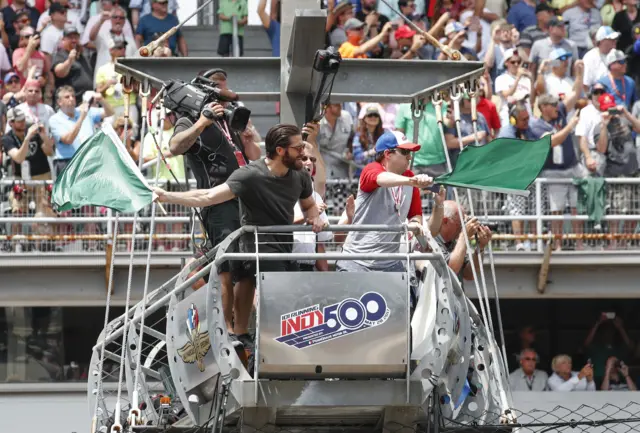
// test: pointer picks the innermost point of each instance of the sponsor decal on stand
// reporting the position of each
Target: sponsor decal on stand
(199, 344)
(313, 325)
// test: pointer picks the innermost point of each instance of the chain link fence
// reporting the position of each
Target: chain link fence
(609, 418)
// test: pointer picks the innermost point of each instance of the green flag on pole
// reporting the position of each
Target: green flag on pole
(505, 165)
(102, 173)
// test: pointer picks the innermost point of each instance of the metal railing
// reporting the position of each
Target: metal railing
(28, 224)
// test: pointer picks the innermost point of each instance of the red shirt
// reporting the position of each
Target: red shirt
(369, 183)
(490, 113)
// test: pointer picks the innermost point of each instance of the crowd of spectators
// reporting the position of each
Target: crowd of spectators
(603, 361)
(59, 85)
(559, 68)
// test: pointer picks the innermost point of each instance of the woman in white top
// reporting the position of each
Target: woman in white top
(513, 85)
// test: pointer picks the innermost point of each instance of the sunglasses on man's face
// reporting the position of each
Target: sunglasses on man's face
(515, 62)
(14, 81)
(563, 58)
(403, 152)
(621, 62)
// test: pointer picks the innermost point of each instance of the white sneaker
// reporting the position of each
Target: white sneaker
(519, 246)
(160, 248)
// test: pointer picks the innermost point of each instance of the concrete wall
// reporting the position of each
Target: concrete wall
(68, 412)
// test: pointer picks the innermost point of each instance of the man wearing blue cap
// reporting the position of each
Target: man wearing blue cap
(388, 194)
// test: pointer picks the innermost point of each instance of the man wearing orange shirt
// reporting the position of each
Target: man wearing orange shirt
(353, 48)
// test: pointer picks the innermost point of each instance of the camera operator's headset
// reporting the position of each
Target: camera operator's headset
(214, 71)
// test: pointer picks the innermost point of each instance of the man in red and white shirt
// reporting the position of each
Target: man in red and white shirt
(388, 195)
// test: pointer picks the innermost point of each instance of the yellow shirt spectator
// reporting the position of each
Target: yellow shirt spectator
(113, 95)
(176, 163)
(348, 51)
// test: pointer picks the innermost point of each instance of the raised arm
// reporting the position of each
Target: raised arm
(197, 197)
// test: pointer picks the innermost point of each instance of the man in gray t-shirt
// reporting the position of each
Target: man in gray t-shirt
(557, 33)
(387, 195)
(581, 19)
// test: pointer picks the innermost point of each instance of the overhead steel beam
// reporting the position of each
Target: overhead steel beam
(290, 78)
(362, 80)
(253, 78)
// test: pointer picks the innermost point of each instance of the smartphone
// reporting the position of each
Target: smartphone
(613, 111)
(434, 188)
(394, 26)
(525, 65)
(610, 316)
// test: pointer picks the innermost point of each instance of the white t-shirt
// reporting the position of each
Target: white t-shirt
(594, 66)
(102, 48)
(473, 36)
(559, 87)
(73, 19)
(40, 113)
(106, 26)
(49, 39)
(5, 63)
(505, 82)
(590, 118)
(305, 242)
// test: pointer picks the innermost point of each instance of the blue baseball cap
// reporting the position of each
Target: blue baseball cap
(9, 76)
(395, 140)
(560, 54)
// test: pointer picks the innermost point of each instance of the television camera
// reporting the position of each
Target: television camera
(326, 62)
(195, 98)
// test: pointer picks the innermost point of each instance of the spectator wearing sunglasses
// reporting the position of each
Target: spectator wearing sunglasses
(306, 242)
(593, 153)
(542, 49)
(513, 85)
(21, 21)
(557, 82)
(616, 82)
(528, 377)
(17, 15)
(595, 66)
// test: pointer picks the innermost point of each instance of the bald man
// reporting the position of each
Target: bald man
(451, 239)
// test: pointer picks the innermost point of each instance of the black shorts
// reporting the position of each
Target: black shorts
(220, 221)
(247, 269)
(225, 45)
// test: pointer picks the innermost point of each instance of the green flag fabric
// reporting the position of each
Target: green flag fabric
(102, 173)
(505, 165)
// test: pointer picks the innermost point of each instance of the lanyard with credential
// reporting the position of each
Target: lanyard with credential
(238, 154)
(530, 382)
(615, 88)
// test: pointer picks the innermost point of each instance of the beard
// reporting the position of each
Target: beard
(292, 163)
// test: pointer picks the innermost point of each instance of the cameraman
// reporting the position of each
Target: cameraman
(214, 151)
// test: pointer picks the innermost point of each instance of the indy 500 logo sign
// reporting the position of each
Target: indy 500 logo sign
(314, 325)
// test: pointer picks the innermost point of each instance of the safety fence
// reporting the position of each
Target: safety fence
(605, 218)
(583, 419)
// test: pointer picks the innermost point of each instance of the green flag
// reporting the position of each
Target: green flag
(102, 173)
(505, 165)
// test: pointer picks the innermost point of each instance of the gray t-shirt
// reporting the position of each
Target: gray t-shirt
(376, 205)
(542, 49)
(268, 200)
(580, 22)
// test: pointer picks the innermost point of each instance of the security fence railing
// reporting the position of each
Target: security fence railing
(607, 217)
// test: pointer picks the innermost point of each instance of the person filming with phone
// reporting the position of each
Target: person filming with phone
(72, 125)
(565, 379)
(615, 134)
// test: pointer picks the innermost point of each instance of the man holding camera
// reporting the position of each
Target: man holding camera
(269, 189)
(214, 151)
